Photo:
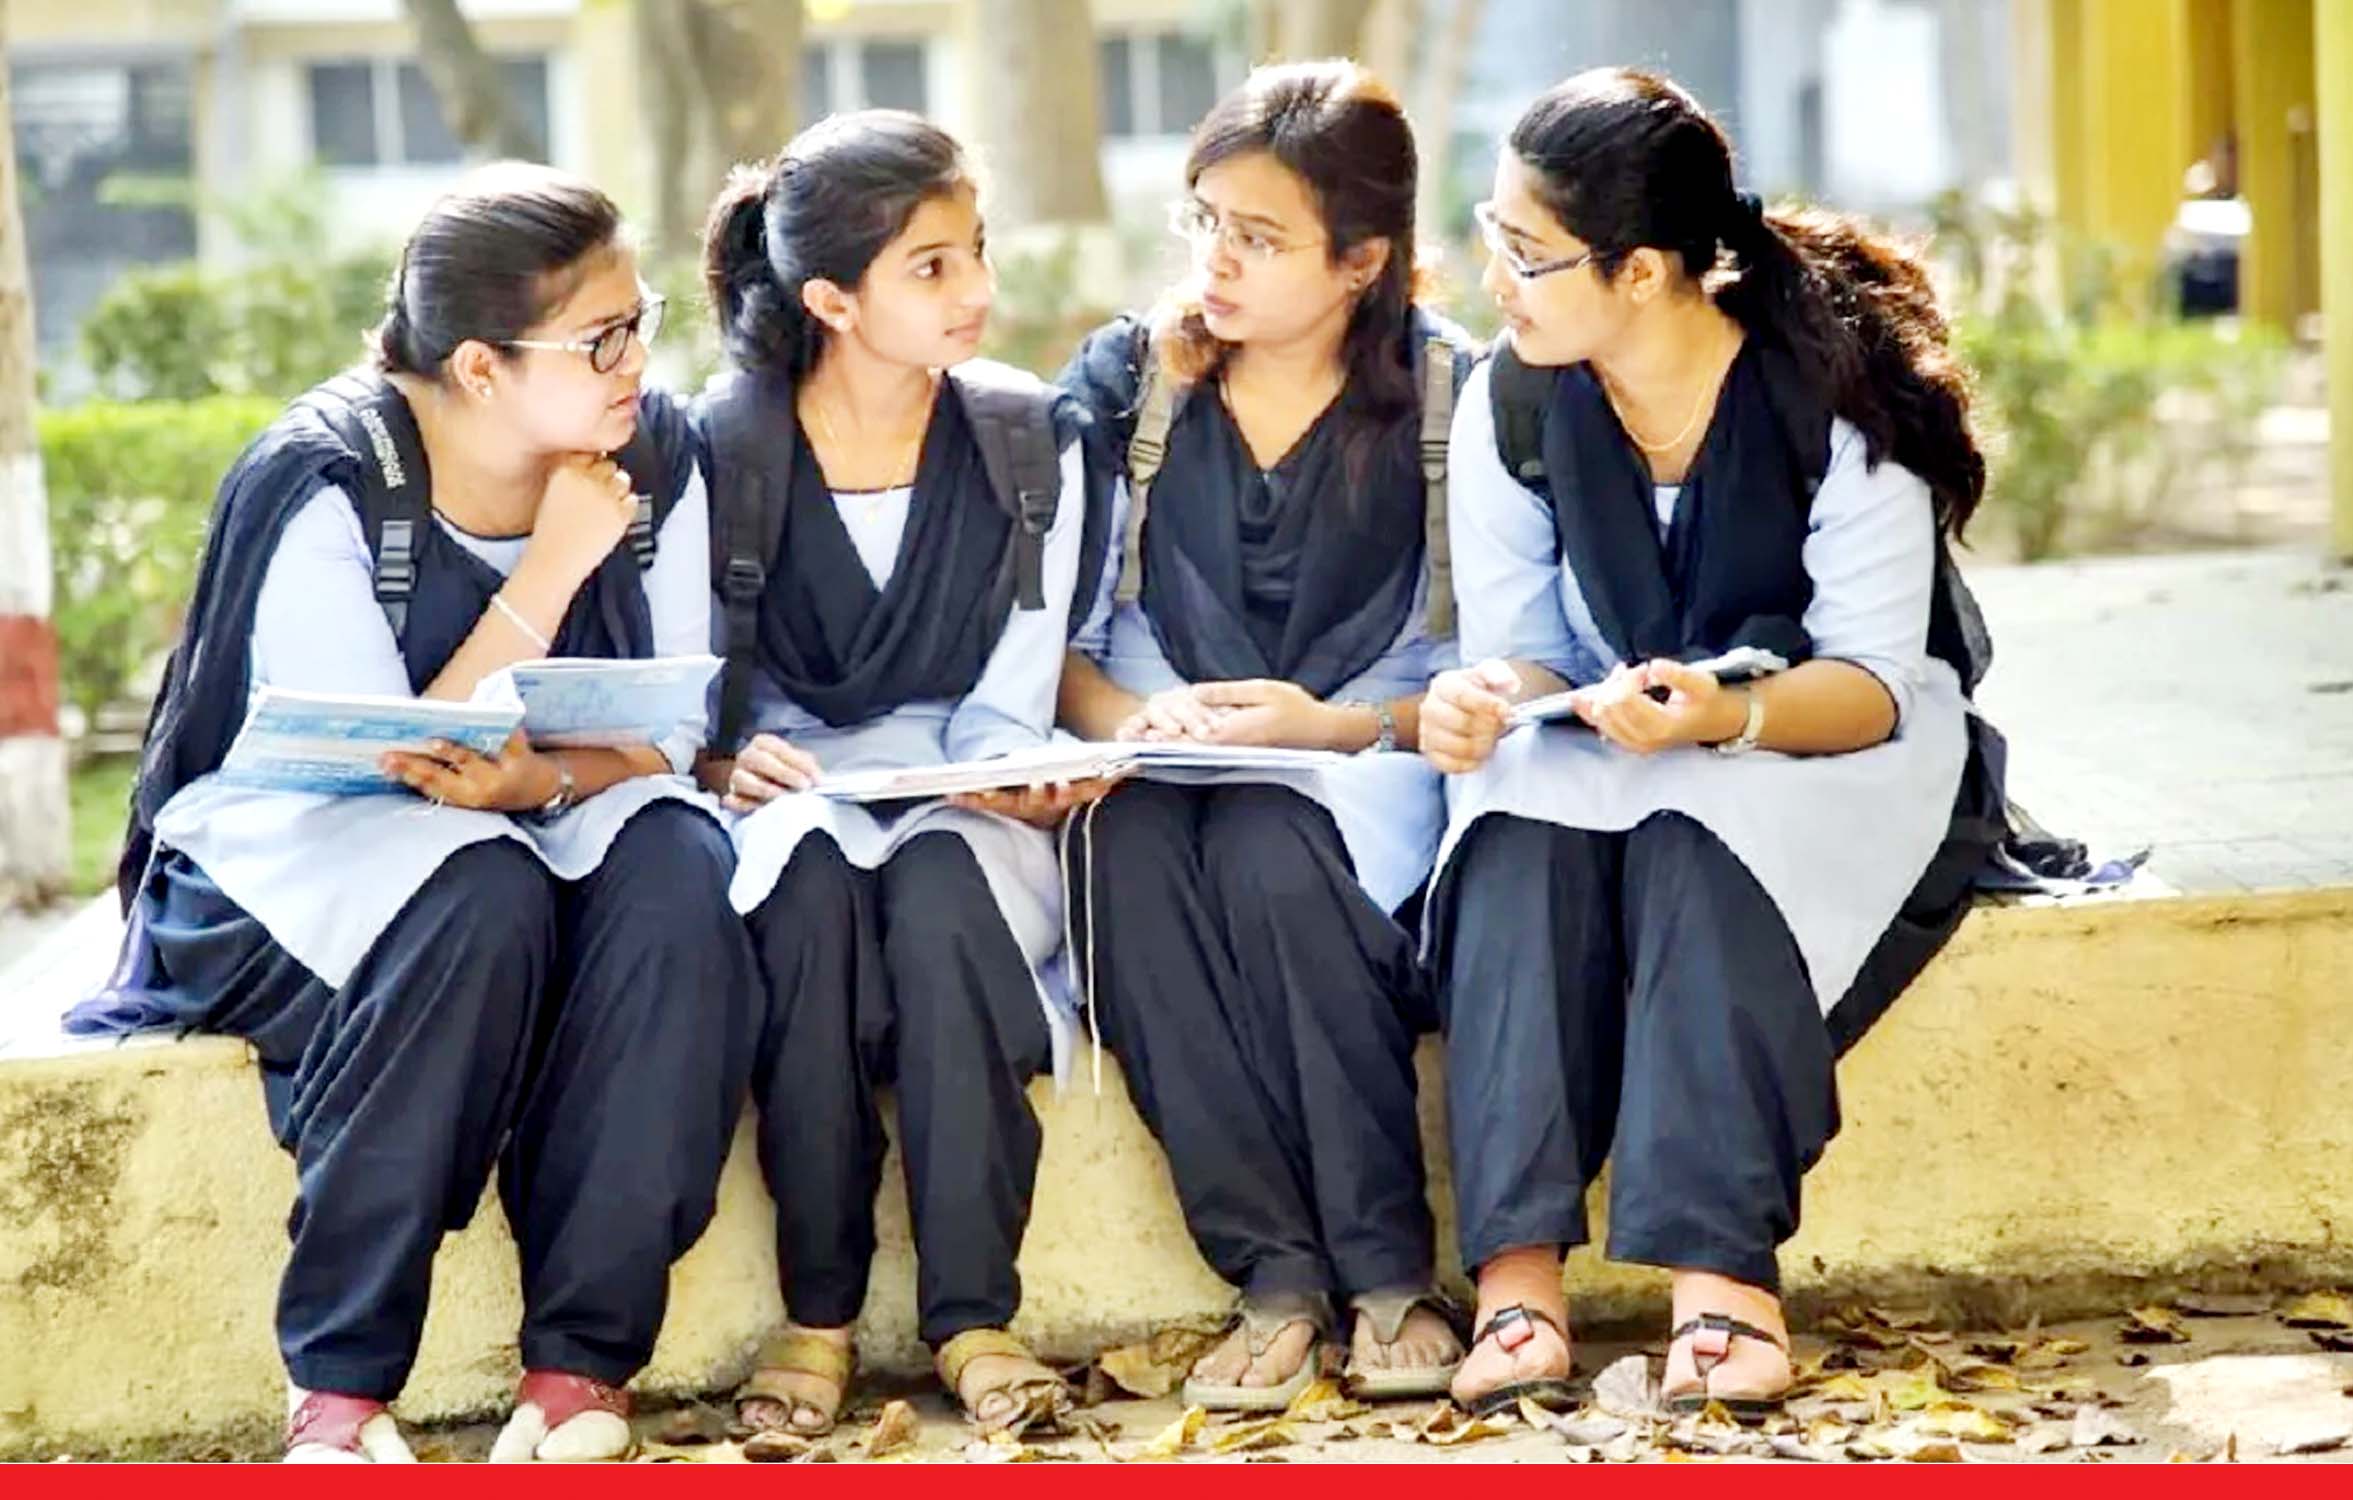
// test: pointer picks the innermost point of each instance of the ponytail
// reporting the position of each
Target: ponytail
(1858, 308)
(762, 325)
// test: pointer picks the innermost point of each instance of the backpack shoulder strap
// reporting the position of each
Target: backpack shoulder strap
(1147, 449)
(659, 459)
(393, 489)
(751, 469)
(1012, 416)
(1517, 394)
(1437, 424)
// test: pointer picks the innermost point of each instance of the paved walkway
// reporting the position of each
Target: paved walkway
(2203, 704)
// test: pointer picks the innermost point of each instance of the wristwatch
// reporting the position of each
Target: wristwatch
(1386, 738)
(561, 800)
(1750, 729)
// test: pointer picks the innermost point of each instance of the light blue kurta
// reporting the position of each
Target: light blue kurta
(1388, 806)
(325, 875)
(1838, 841)
(1010, 708)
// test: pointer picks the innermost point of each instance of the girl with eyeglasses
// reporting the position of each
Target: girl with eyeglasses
(1246, 938)
(1712, 429)
(530, 965)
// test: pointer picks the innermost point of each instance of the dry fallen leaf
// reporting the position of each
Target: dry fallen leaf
(1157, 1366)
(2317, 1440)
(1448, 1427)
(1916, 1393)
(1958, 1419)
(2096, 1428)
(1625, 1448)
(1848, 1387)
(2050, 1354)
(1980, 1376)
(2334, 1340)
(1584, 1429)
(2043, 1440)
(2319, 1310)
(1797, 1450)
(1626, 1389)
(894, 1429)
(2153, 1325)
(1178, 1435)
(1322, 1401)
(1003, 1448)
(1253, 1437)
(773, 1447)
(1934, 1451)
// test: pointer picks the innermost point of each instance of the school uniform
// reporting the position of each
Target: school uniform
(433, 990)
(1644, 958)
(909, 945)
(1238, 932)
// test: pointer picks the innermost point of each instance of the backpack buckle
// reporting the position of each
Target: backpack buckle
(746, 578)
(1037, 510)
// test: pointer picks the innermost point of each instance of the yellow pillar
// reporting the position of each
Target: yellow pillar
(2066, 106)
(2135, 76)
(2333, 56)
(2271, 41)
(2212, 70)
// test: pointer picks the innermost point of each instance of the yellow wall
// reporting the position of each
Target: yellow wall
(2333, 54)
(2273, 110)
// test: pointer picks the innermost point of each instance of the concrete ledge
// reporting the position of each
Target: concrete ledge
(2075, 1102)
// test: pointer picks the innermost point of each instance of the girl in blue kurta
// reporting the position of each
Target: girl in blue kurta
(534, 968)
(1242, 934)
(899, 625)
(1654, 924)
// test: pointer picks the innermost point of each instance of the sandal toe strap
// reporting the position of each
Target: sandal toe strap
(1711, 1336)
(957, 1354)
(1264, 1319)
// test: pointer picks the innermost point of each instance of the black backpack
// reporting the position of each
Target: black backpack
(752, 454)
(395, 506)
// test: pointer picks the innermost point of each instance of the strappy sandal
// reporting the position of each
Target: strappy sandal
(1039, 1398)
(1387, 1312)
(1551, 1392)
(1262, 1320)
(1711, 1336)
(796, 1351)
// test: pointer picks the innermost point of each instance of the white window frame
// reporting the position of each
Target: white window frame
(384, 104)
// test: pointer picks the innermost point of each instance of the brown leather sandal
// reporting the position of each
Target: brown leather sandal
(1040, 1399)
(796, 1351)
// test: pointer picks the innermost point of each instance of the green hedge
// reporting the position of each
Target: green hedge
(130, 486)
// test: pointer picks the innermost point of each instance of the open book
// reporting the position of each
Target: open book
(330, 742)
(1065, 762)
(1740, 664)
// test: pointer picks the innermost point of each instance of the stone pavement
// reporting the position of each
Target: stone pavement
(2202, 703)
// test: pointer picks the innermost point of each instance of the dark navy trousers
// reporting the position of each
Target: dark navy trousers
(589, 1041)
(1637, 997)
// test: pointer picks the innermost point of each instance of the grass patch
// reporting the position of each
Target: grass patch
(101, 796)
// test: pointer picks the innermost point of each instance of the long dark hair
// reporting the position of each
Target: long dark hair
(1625, 158)
(823, 208)
(491, 258)
(1342, 132)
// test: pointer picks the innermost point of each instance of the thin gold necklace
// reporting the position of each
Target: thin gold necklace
(1699, 406)
(909, 462)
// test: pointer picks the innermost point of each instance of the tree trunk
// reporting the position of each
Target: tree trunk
(473, 95)
(721, 84)
(1441, 88)
(33, 806)
(1321, 28)
(1032, 90)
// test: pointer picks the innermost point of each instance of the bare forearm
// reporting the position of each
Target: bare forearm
(1819, 708)
(1089, 704)
(498, 642)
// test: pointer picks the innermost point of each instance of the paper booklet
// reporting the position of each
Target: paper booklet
(1740, 664)
(1064, 762)
(330, 742)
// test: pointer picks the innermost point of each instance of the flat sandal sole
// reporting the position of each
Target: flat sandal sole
(1552, 1393)
(1217, 1397)
(1425, 1383)
(1746, 1410)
